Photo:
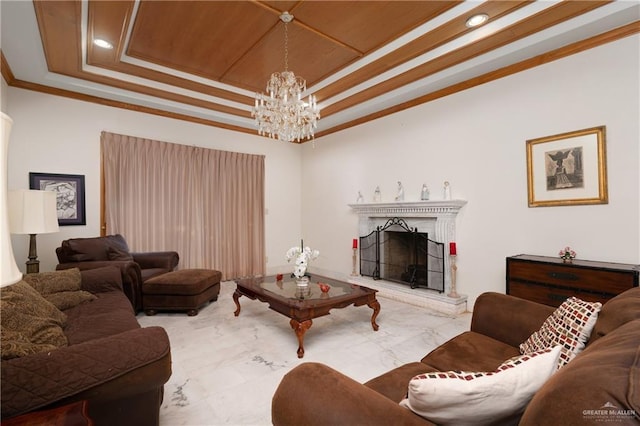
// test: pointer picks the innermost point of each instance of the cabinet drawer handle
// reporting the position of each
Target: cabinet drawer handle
(563, 276)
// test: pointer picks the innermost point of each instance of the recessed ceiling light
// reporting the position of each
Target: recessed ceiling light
(476, 20)
(103, 43)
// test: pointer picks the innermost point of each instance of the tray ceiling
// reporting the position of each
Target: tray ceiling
(203, 61)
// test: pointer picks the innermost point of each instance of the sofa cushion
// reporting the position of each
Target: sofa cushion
(620, 310)
(393, 384)
(29, 319)
(569, 325)
(461, 353)
(600, 386)
(497, 397)
(110, 314)
(62, 288)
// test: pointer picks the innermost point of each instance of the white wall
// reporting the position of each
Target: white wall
(476, 140)
(59, 135)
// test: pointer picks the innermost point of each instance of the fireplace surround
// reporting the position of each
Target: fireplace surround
(437, 219)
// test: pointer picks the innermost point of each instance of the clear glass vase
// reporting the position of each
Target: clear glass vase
(302, 282)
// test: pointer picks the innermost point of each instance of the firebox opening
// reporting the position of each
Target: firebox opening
(402, 255)
(405, 258)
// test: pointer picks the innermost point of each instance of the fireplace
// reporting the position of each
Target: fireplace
(436, 219)
(396, 252)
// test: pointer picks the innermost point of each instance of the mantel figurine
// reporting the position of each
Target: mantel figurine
(424, 194)
(400, 193)
(377, 195)
(446, 191)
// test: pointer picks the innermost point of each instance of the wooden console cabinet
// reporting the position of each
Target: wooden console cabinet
(550, 281)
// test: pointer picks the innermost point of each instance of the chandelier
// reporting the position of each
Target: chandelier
(281, 113)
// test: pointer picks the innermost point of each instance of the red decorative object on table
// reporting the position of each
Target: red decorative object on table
(324, 287)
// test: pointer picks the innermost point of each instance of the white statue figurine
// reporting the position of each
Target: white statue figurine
(446, 191)
(400, 193)
(424, 195)
(360, 197)
(377, 195)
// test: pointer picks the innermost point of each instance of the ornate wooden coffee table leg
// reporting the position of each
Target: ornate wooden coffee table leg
(375, 305)
(300, 328)
(236, 296)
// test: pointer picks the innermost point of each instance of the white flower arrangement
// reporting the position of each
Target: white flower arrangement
(302, 256)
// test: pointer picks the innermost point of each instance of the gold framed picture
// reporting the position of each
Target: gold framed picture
(567, 169)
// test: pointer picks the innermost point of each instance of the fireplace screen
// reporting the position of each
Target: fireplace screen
(396, 252)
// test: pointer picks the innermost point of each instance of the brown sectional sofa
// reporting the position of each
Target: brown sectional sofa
(118, 367)
(602, 383)
(112, 250)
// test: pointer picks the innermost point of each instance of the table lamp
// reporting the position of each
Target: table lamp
(9, 272)
(32, 212)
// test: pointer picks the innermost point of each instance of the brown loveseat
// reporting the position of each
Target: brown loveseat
(112, 250)
(602, 383)
(118, 367)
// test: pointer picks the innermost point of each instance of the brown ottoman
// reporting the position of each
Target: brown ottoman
(186, 289)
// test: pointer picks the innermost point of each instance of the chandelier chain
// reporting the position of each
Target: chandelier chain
(286, 46)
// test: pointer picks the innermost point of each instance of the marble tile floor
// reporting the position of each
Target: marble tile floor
(226, 368)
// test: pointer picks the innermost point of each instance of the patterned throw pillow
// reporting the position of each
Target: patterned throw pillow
(569, 325)
(478, 398)
(30, 324)
(14, 344)
(62, 288)
(55, 281)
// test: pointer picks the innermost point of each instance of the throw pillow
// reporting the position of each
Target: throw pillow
(68, 299)
(53, 282)
(114, 253)
(29, 321)
(16, 345)
(479, 398)
(62, 288)
(569, 325)
(85, 249)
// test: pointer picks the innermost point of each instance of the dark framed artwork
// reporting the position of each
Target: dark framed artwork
(567, 169)
(70, 195)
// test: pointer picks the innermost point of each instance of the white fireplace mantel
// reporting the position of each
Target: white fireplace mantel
(443, 212)
(437, 218)
(410, 208)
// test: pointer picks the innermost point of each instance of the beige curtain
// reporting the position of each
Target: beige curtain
(207, 205)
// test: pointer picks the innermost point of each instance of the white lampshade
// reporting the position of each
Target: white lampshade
(32, 212)
(9, 272)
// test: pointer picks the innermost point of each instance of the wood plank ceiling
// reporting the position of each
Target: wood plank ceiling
(204, 60)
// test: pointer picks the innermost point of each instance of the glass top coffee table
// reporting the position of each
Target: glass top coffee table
(302, 305)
